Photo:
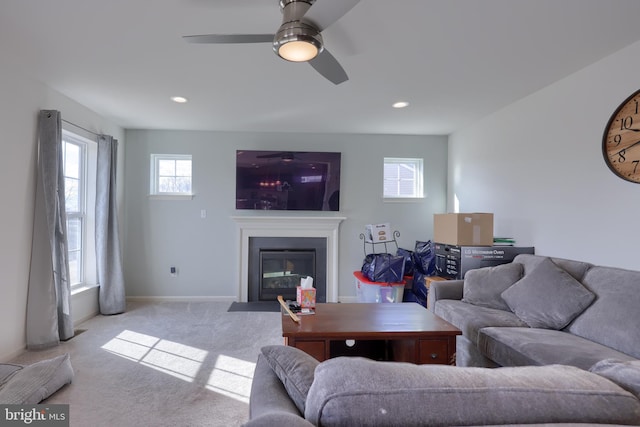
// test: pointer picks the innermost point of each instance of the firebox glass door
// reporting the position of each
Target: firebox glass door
(281, 271)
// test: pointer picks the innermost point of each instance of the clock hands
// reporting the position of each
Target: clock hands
(626, 148)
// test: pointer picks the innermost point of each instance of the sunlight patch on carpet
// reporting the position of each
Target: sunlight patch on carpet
(172, 358)
(232, 377)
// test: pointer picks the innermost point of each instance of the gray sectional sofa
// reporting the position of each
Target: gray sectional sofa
(541, 311)
(291, 388)
(562, 336)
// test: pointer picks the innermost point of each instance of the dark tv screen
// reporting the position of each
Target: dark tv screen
(287, 180)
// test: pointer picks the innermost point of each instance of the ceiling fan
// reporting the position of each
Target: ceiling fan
(298, 39)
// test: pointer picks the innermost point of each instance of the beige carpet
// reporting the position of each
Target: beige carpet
(164, 364)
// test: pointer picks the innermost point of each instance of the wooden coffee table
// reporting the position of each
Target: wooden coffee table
(404, 332)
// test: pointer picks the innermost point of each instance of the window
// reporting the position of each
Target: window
(78, 163)
(402, 178)
(73, 154)
(171, 174)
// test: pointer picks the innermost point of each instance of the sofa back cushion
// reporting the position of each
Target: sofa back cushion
(577, 269)
(483, 286)
(356, 391)
(548, 297)
(613, 319)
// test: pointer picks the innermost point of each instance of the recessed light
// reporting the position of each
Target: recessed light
(179, 99)
(400, 104)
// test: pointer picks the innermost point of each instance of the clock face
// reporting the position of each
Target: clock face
(621, 140)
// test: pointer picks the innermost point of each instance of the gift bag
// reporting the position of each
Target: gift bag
(408, 260)
(383, 268)
(424, 258)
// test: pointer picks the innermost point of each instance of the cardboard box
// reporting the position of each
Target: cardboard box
(453, 262)
(306, 297)
(378, 233)
(463, 229)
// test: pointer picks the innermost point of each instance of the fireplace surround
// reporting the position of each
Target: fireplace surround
(290, 226)
(276, 265)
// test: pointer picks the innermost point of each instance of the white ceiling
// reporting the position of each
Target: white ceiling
(455, 61)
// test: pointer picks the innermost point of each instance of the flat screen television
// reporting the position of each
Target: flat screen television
(288, 180)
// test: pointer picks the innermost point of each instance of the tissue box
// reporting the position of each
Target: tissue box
(306, 297)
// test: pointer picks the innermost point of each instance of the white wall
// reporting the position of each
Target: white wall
(162, 233)
(538, 166)
(21, 100)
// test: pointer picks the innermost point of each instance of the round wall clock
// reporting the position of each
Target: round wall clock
(621, 140)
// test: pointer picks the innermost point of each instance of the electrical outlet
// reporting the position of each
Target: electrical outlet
(173, 271)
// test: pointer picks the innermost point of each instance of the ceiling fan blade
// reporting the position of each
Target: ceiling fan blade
(229, 38)
(323, 13)
(329, 67)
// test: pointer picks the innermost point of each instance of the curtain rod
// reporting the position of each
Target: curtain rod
(80, 127)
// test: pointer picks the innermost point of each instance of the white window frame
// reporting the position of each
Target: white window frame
(154, 177)
(418, 178)
(86, 191)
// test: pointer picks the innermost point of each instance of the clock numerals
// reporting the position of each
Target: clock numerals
(617, 139)
(626, 123)
(620, 142)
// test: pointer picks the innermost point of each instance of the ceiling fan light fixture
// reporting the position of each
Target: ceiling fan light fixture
(297, 42)
(298, 51)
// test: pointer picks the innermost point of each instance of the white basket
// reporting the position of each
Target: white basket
(379, 292)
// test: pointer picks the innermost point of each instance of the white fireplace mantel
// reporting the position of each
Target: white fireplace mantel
(290, 226)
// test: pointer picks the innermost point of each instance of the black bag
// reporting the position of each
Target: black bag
(383, 268)
(366, 264)
(424, 258)
(419, 288)
(408, 260)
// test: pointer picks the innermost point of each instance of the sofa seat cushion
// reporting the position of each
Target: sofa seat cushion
(351, 391)
(471, 318)
(531, 346)
(625, 374)
(484, 286)
(548, 297)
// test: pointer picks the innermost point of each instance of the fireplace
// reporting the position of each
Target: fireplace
(276, 265)
(325, 228)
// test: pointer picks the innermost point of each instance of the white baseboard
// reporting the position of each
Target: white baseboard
(151, 298)
(10, 356)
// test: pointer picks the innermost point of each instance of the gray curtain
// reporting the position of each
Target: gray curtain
(108, 257)
(49, 296)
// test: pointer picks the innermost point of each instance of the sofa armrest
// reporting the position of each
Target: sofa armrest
(278, 419)
(445, 289)
(268, 394)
